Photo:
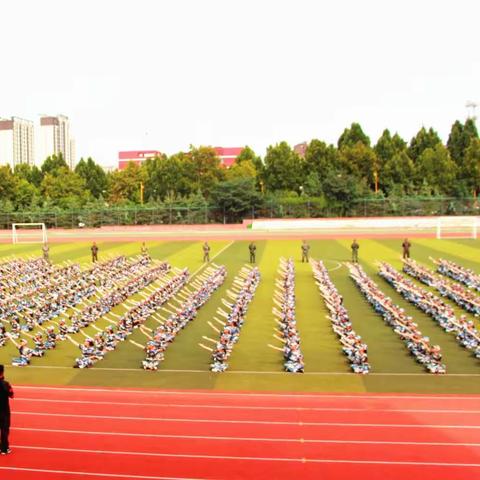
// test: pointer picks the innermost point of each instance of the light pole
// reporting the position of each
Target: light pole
(142, 189)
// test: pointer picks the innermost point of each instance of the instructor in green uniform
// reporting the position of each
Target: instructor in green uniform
(252, 249)
(305, 250)
(355, 246)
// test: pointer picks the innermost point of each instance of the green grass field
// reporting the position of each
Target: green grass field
(254, 366)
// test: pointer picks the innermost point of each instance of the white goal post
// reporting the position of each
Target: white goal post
(457, 227)
(29, 233)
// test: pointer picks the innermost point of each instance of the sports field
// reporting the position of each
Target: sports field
(254, 366)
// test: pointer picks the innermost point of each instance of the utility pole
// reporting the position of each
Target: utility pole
(472, 109)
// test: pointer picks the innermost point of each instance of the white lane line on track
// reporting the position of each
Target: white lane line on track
(276, 395)
(254, 372)
(233, 457)
(254, 422)
(93, 474)
(247, 407)
(249, 439)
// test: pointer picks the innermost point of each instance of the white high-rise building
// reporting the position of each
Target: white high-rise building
(55, 139)
(16, 141)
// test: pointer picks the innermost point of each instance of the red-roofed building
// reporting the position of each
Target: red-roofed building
(136, 156)
(228, 155)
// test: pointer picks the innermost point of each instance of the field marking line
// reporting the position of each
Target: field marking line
(242, 421)
(233, 457)
(258, 372)
(336, 267)
(150, 392)
(247, 407)
(249, 439)
(94, 474)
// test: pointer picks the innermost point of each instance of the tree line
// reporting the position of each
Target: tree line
(334, 175)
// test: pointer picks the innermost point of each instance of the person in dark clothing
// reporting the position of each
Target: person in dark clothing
(252, 249)
(355, 246)
(94, 250)
(206, 252)
(406, 248)
(6, 392)
(305, 250)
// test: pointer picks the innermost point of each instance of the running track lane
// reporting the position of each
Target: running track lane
(61, 433)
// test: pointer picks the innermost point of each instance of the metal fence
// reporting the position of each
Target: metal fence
(302, 207)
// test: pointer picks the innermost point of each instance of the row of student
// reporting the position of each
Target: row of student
(460, 295)
(89, 314)
(190, 302)
(95, 349)
(456, 272)
(45, 305)
(287, 333)
(428, 355)
(352, 344)
(28, 312)
(241, 294)
(464, 329)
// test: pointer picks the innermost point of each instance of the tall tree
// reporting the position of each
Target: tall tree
(202, 166)
(125, 185)
(30, 173)
(94, 176)
(460, 138)
(398, 174)
(471, 167)
(421, 141)
(64, 188)
(352, 136)
(53, 163)
(388, 146)
(436, 167)
(359, 161)
(320, 158)
(283, 168)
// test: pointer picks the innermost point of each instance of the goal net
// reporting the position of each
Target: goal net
(457, 227)
(29, 233)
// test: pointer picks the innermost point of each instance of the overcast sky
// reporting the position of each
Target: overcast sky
(163, 74)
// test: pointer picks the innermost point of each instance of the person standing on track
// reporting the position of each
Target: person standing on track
(6, 393)
(406, 248)
(252, 249)
(355, 246)
(305, 250)
(94, 250)
(206, 252)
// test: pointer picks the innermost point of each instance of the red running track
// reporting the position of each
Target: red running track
(63, 433)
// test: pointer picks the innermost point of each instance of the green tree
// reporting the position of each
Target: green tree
(236, 198)
(30, 173)
(202, 168)
(64, 188)
(398, 174)
(359, 161)
(472, 167)
(125, 185)
(244, 169)
(320, 158)
(388, 146)
(437, 169)
(421, 141)
(94, 176)
(25, 194)
(52, 164)
(283, 168)
(351, 136)
(7, 183)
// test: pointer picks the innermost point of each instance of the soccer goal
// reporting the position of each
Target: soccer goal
(457, 227)
(29, 233)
